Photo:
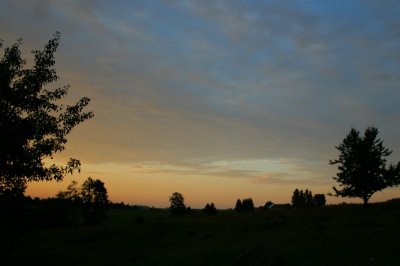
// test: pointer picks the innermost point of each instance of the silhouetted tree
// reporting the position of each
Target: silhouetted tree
(33, 126)
(72, 199)
(308, 198)
(296, 199)
(248, 205)
(238, 205)
(319, 199)
(245, 205)
(362, 166)
(177, 203)
(301, 199)
(95, 200)
(89, 201)
(73, 193)
(210, 209)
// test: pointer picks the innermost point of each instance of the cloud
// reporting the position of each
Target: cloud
(192, 83)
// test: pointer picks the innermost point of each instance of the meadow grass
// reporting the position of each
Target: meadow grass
(333, 235)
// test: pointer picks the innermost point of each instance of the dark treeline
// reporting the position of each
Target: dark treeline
(245, 205)
(210, 209)
(303, 199)
(300, 199)
(85, 205)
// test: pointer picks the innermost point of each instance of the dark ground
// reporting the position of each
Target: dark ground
(333, 235)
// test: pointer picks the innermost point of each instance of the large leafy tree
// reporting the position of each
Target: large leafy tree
(362, 165)
(94, 192)
(177, 203)
(33, 126)
(95, 200)
(91, 198)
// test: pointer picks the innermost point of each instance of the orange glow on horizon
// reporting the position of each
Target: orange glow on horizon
(132, 185)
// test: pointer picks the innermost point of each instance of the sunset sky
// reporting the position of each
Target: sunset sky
(217, 100)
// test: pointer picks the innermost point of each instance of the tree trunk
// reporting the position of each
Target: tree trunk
(365, 199)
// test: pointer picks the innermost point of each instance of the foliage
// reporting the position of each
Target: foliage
(95, 200)
(91, 198)
(303, 199)
(178, 206)
(238, 205)
(210, 209)
(72, 193)
(94, 193)
(362, 166)
(33, 127)
(245, 205)
(319, 200)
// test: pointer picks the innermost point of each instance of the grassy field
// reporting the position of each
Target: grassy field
(334, 235)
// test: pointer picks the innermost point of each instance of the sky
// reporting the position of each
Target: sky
(217, 100)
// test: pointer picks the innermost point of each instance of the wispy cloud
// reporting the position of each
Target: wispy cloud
(191, 84)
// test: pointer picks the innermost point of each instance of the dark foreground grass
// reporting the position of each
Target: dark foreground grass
(337, 235)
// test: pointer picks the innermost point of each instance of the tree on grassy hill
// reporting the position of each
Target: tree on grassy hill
(238, 205)
(210, 209)
(91, 199)
(33, 127)
(248, 205)
(73, 193)
(308, 198)
(301, 199)
(319, 199)
(245, 205)
(177, 204)
(95, 200)
(362, 166)
(296, 199)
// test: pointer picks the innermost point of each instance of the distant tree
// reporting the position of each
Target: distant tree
(72, 199)
(210, 209)
(177, 204)
(90, 201)
(33, 126)
(302, 199)
(245, 205)
(296, 199)
(94, 199)
(308, 198)
(238, 205)
(248, 205)
(319, 199)
(73, 192)
(362, 166)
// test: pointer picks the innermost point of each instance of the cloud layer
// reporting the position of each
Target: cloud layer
(190, 84)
